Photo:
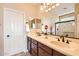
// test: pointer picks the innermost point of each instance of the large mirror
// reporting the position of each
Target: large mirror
(66, 25)
(62, 20)
(35, 23)
(65, 28)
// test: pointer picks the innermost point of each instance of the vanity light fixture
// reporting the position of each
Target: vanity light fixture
(57, 4)
(46, 10)
(41, 7)
(45, 7)
(48, 4)
(53, 6)
(30, 17)
(49, 9)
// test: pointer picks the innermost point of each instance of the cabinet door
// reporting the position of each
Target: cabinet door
(45, 48)
(55, 53)
(34, 49)
(43, 52)
(28, 44)
(33, 41)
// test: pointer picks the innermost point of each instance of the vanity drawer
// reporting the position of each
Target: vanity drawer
(33, 41)
(34, 47)
(44, 47)
(56, 53)
(28, 44)
(33, 53)
(43, 53)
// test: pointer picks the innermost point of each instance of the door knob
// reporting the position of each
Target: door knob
(8, 35)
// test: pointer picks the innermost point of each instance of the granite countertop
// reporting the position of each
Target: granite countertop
(71, 49)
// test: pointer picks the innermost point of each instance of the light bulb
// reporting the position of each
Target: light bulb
(49, 9)
(48, 4)
(30, 17)
(53, 6)
(46, 10)
(57, 4)
(41, 7)
(44, 6)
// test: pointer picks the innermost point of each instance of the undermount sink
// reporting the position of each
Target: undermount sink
(64, 45)
(61, 44)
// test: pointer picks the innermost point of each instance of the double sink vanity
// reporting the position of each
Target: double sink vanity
(52, 45)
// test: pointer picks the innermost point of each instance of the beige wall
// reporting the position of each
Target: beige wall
(30, 9)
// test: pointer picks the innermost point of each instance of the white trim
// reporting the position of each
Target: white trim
(14, 10)
(66, 13)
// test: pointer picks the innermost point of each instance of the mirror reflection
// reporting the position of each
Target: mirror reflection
(66, 25)
(65, 28)
(61, 19)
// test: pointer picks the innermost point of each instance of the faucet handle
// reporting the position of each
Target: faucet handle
(67, 41)
(58, 39)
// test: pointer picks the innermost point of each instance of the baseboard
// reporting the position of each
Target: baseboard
(25, 50)
(17, 53)
(20, 53)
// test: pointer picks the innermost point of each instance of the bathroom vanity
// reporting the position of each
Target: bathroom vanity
(41, 46)
(38, 49)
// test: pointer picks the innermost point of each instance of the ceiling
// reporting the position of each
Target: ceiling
(64, 8)
(59, 10)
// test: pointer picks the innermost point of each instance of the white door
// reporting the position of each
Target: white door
(13, 32)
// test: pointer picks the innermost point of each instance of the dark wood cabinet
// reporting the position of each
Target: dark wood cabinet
(34, 49)
(44, 50)
(43, 53)
(28, 44)
(32, 46)
(56, 53)
(34, 42)
(38, 49)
